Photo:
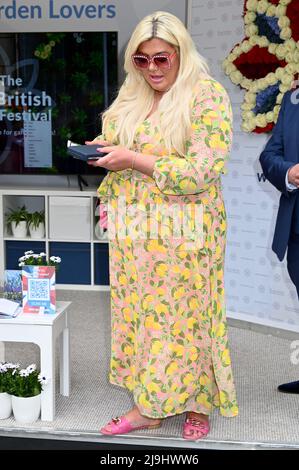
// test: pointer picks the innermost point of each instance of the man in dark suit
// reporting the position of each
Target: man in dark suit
(280, 164)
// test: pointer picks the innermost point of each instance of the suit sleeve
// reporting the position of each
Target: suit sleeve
(207, 149)
(272, 160)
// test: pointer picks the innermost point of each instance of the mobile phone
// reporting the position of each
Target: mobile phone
(86, 152)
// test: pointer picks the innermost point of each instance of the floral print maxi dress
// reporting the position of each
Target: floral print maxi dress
(169, 333)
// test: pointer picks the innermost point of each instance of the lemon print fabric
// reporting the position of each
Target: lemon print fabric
(169, 336)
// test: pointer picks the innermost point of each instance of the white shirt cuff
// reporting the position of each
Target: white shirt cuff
(289, 186)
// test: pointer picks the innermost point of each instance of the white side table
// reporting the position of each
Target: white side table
(43, 330)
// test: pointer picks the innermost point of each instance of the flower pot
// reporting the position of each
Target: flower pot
(20, 230)
(5, 405)
(37, 232)
(26, 410)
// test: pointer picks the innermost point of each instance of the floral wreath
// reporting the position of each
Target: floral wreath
(266, 62)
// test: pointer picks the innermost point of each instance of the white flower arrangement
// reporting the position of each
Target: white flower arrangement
(284, 76)
(33, 259)
(27, 382)
(7, 371)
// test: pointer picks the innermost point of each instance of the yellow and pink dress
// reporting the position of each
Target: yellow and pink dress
(169, 331)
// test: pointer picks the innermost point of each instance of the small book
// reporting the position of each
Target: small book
(84, 152)
(9, 308)
(13, 285)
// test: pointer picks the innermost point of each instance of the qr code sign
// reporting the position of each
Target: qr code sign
(38, 289)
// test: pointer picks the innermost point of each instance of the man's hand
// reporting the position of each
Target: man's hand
(293, 175)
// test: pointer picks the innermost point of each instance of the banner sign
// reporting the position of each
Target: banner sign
(55, 10)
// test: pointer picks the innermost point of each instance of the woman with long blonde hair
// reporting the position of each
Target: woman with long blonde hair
(167, 137)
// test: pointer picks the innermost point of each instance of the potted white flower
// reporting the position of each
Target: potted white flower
(38, 259)
(25, 389)
(36, 224)
(17, 220)
(7, 371)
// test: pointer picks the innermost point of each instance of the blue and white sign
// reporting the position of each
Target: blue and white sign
(55, 10)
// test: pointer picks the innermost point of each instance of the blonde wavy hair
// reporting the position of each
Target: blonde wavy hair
(135, 98)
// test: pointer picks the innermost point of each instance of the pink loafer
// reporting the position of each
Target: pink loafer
(194, 429)
(123, 426)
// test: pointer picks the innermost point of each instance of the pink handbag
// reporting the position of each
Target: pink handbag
(103, 213)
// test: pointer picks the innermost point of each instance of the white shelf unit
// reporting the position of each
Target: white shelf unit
(70, 219)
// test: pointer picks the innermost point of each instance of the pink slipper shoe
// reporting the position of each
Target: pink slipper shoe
(123, 426)
(194, 429)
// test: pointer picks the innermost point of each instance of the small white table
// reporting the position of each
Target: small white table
(43, 329)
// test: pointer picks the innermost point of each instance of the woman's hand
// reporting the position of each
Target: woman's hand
(97, 142)
(117, 158)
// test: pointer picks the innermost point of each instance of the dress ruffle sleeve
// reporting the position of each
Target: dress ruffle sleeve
(207, 149)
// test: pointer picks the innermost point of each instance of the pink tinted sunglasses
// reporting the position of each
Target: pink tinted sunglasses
(161, 61)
